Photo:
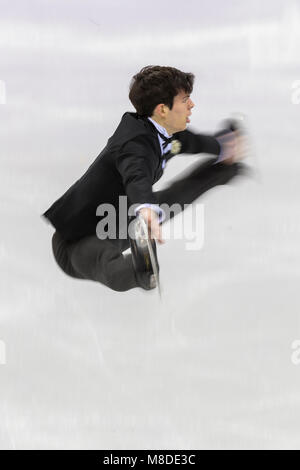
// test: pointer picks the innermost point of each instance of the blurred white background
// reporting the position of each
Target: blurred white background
(211, 366)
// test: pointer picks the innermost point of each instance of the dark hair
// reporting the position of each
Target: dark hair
(155, 84)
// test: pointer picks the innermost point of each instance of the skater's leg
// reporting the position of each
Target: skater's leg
(195, 181)
(60, 250)
(101, 261)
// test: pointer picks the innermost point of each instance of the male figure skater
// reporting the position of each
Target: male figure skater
(135, 158)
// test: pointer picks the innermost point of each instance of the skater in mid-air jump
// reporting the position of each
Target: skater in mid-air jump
(135, 158)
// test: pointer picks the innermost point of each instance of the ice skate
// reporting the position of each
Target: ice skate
(144, 255)
(235, 124)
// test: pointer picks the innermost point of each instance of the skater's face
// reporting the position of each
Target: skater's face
(177, 118)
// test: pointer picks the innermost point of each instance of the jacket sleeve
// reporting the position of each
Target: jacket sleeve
(136, 163)
(197, 143)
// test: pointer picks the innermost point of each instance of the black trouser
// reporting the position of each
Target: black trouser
(103, 261)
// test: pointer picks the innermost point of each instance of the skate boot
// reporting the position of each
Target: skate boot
(144, 255)
(235, 124)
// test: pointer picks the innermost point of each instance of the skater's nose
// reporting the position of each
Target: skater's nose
(191, 104)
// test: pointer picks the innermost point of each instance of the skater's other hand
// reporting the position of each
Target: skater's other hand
(234, 147)
(152, 220)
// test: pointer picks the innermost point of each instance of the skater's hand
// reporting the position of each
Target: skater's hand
(152, 220)
(234, 147)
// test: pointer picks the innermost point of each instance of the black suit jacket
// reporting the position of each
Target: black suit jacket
(130, 164)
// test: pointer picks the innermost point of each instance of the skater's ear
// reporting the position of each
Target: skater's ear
(160, 111)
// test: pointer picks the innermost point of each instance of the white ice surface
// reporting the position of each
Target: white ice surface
(209, 367)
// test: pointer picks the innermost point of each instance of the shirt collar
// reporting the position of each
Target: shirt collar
(160, 128)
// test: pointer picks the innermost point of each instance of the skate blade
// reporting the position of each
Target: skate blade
(151, 253)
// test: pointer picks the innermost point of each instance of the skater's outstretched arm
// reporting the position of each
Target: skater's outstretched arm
(192, 142)
(229, 147)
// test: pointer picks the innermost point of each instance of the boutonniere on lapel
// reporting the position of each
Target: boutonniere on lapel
(175, 146)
